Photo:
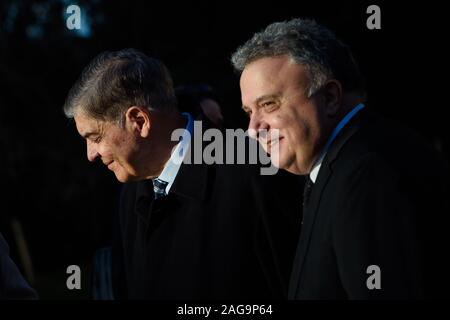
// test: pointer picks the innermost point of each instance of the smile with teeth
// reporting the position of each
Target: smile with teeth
(271, 143)
(108, 164)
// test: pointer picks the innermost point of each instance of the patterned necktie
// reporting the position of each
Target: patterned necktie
(159, 188)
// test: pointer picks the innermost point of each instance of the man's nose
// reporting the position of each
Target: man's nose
(257, 127)
(92, 152)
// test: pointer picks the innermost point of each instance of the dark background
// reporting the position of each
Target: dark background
(65, 204)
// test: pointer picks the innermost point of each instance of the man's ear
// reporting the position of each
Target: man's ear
(138, 120)
(332, 95)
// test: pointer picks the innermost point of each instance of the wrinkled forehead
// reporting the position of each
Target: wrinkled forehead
(87, 125)
(270, 76)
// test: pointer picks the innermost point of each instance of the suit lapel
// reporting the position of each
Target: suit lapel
(310, 210)
(191, 180)
(309, 215)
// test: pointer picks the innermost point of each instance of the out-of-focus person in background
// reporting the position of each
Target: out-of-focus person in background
(13, 286)
(201, 101)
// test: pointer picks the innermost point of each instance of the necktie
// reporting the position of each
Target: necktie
(307, 190)
(159, 187)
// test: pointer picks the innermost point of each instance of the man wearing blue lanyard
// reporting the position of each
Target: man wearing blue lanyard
(374, 203)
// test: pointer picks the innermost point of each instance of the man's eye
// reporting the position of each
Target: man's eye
(270, 106)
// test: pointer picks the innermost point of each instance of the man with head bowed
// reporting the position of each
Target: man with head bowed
(186, 230)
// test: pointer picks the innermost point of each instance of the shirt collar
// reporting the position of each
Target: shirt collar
(316, 167)
(172, 166)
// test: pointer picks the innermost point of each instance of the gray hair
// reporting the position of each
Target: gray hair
(314, 46)
(114, 81)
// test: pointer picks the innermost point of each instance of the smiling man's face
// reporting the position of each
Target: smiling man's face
(274, 96)
(116, 147)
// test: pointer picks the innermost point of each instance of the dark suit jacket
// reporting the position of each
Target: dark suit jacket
(12, 284)
(379, 199)
(222, 232)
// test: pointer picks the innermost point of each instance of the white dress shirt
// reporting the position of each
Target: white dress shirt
(172, 166)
